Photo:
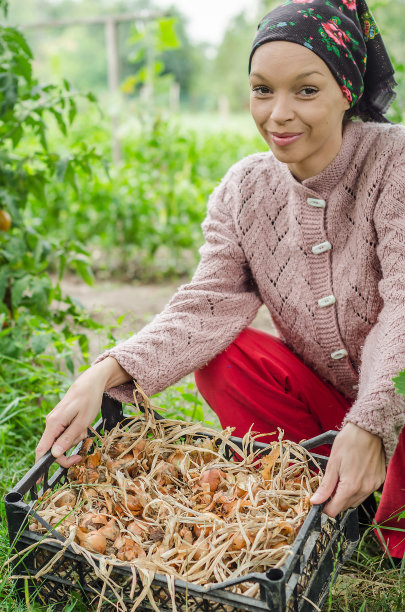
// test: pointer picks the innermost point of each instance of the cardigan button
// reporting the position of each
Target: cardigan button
(316, 203)
(321, 248)
(327, 301)
(339, 354)
(355, 387)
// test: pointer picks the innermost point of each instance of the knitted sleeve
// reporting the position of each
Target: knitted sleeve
(204, 316)
(378, 408)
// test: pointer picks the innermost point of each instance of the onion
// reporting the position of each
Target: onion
(130, 551)
(133, 503)
(139, 448)
(211, 477)
(89, 493)
(237, 542)
(68, 498)
(136, 528)
(95, 542)
(119, 447)
(93, 460)
(110, 531)
(179, 460)
(186, 534)
(92, 540)
(118, 464)
(91, 475)
(156, 534)
(201, 550)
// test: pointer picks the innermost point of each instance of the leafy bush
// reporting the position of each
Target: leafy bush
(143, 218)
(40, 329)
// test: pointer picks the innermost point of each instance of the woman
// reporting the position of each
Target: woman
(315, 229)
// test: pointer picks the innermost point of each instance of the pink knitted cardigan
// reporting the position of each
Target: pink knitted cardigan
(326, 256)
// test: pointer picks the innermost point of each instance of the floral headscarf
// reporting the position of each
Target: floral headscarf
(345, 35)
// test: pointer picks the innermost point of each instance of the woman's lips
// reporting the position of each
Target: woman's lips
(285, 139)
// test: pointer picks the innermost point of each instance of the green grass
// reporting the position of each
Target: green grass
(369, 582)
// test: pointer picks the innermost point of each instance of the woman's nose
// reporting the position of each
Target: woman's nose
(281, 109)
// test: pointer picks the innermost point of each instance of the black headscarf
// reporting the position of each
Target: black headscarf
(344, 34)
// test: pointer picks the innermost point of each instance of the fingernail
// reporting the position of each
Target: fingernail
(56, 451)
(315, 499)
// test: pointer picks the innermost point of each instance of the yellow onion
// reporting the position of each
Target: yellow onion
(93, 460)
(211, 477)
(118, 464)
(110, 530)
(136, 528)
(68, 498)
(186, 534)
(91, 540)
(91, 475)
(130, 551)
(237, 542)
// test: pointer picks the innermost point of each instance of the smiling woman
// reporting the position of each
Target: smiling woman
(315, 230)
(293, 88)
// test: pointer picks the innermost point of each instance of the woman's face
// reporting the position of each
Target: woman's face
(297, 105)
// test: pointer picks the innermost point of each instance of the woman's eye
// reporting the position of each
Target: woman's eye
(261, 90)
(309, 91)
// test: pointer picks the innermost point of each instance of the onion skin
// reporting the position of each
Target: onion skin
(137, 529)
(92, 540)
(91, 475)
(118, 464)
(110, 531)
(68, 499)
(237, 542)
(211, 477)
(186, 534)
(130, 551)
(93, 460)
(133, 504)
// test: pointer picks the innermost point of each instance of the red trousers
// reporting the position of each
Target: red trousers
(259, 381)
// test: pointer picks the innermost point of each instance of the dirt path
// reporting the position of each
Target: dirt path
(137, 303)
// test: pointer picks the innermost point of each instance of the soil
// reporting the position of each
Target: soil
(136, 303)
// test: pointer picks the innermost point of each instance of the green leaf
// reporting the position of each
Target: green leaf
(12, 35)
(40, 342)
(59, 120)
(69, 364)
(72, 111)
(167, 34)
(4, 276)
(17, 291)
(84, 270)
(190, 397)
(399, 382)
(61, 167)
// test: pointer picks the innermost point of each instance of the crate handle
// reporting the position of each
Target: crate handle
(112, 414)
(328, 437)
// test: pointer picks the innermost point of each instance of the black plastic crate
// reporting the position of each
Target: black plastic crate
(320, 549)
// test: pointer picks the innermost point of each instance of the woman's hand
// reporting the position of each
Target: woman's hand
(355, 469)
(67, 423)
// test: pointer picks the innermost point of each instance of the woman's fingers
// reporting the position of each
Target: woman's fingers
(356, 465)
(328, 484)
(54, 428)
(346, 496)
(71, 436)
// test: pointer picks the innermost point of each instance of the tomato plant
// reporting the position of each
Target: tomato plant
(39, 327)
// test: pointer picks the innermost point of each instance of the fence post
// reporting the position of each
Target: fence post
(113, 81)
